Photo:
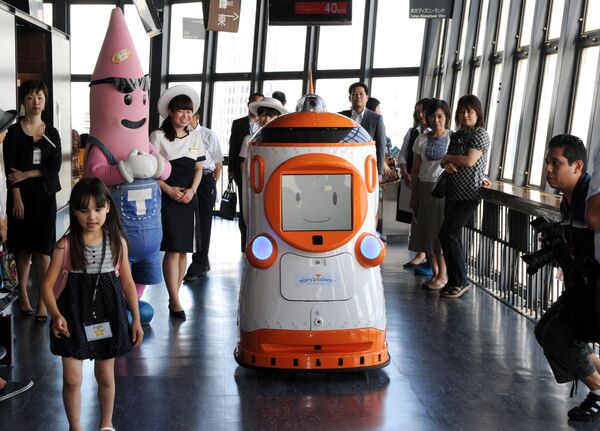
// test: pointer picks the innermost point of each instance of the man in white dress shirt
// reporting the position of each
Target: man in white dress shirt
(207, 193)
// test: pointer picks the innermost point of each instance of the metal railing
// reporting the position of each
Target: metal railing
(495, 239)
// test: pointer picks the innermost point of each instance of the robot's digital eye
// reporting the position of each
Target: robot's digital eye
(127, 99)
(334, 198)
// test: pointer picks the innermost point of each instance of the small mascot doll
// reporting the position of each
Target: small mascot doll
(118, 150)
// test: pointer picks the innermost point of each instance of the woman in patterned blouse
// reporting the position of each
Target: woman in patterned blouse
(465, 161)
(428, 150)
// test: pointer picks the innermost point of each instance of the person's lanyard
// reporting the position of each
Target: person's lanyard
(95, 294)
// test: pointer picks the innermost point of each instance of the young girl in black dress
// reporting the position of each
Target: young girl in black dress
(89, 315)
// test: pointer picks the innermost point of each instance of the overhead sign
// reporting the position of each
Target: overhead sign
(310, 12)
(224, 15)
(193, 28)
(431, 8)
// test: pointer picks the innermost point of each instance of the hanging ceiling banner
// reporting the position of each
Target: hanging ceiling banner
(431, 8)
(224, 15)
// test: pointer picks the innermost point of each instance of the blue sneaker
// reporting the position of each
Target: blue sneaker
(424, 269)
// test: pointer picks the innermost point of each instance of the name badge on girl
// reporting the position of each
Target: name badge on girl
(98, 331)
(37, 155)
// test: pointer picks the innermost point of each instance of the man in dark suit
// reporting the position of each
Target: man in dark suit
(239, 129)
(369, 120)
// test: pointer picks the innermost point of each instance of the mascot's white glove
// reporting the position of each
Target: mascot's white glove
(138, 165)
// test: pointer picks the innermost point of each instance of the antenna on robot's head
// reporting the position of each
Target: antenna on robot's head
(311, 102)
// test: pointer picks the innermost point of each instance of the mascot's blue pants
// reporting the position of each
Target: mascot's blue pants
(139, 205)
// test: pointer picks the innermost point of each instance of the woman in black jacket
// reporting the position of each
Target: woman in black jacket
(32, 159)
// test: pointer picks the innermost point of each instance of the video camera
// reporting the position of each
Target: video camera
(554, 247)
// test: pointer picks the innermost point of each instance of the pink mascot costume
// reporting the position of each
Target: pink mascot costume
(119, 152)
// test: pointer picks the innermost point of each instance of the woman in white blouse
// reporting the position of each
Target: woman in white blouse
(180, 218)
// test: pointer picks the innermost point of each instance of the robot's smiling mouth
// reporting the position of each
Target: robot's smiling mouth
(133, 124)
(316, 221)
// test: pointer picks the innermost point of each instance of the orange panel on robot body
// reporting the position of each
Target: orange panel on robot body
(331, 350)
(315, 164)
(263, 210)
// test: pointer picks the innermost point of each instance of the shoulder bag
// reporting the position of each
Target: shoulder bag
(228, 202)
(439, 190)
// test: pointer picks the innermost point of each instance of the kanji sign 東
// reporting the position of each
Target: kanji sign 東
(224, 15)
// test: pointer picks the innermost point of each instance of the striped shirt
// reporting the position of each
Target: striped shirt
(93, 257)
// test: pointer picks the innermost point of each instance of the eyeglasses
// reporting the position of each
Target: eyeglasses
(125, 85)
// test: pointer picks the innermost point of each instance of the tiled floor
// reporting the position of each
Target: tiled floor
(466, 364)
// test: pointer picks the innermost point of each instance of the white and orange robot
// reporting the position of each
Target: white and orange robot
(311, 296)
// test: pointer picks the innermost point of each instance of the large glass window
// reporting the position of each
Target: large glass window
(139, 36)
(292, 89)
(80, 107)
(457, 91)
(527, 23)
(556, 15)
(48, 7)
(230, 101)
(285, 48)
(464, 30)
(185, 55)
(393, 24)
(512, 139)
(475, 84)
(463, 55)
(444, 54)
(592, 15)
(584, 97)
(490, 121)
(350, 36)
(501, 39)
(234, 50)
(398, 97)
(543, 118)
(335, 93)
(485, 6)
(86, 44)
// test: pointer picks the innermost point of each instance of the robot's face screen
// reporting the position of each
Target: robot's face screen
(316, 202)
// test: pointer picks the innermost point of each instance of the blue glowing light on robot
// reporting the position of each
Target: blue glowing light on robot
(370, 247)
(262, 247)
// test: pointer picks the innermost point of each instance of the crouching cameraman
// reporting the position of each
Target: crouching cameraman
(565, 330)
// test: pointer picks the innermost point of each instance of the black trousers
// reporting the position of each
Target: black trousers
(569, 358)
(241, 223)
(456, 216)
(207, 194)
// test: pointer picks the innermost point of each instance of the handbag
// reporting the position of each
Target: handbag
(439, 190)
(9, 268)
(228, 202)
